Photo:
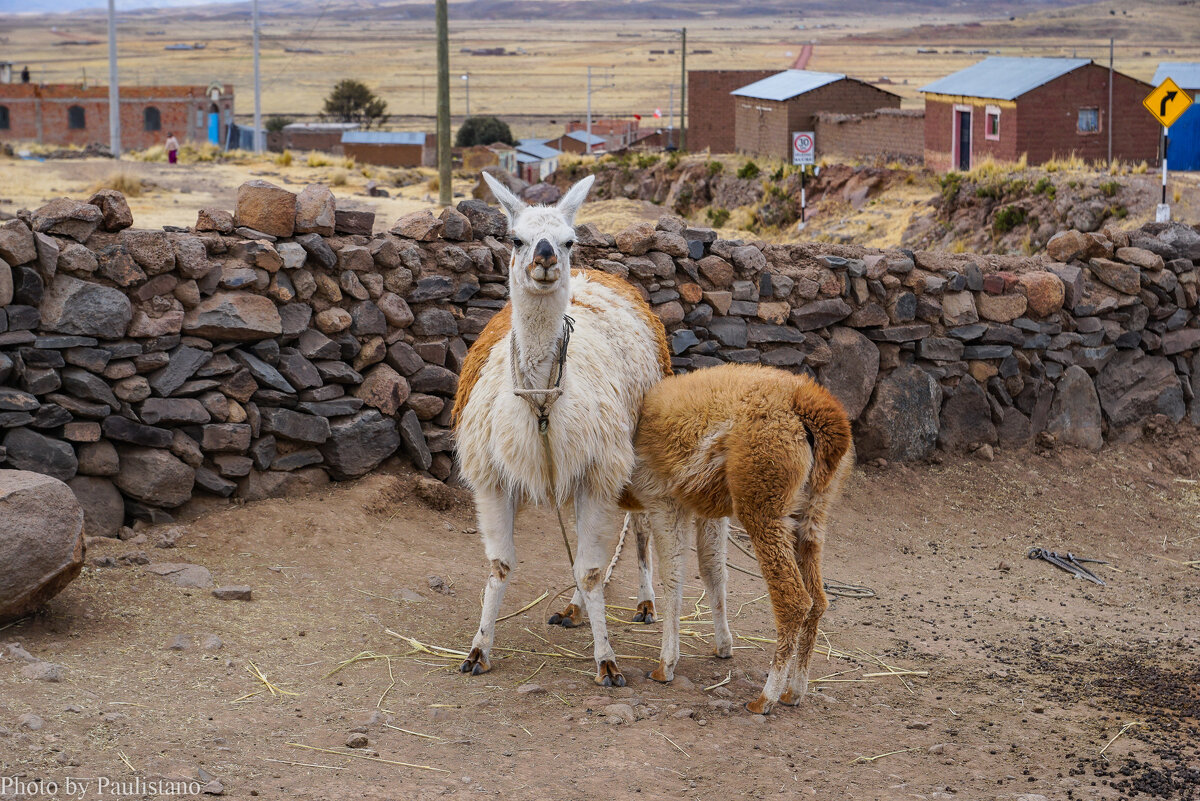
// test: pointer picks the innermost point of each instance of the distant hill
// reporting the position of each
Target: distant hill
(546, 9)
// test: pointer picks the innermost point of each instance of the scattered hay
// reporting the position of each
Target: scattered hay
(368, 758)
(863, 760)
(123, 181)
(275, 690)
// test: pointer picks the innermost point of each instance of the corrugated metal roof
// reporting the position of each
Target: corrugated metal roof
(582, 136)
(1004, 77)
(525, 158)
(537, 150)
(383, 138)
(321, 126)
(1184, 73)
(787, 84)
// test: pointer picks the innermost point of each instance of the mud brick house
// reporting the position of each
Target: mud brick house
(323, 136)
(710, 106)
(616, 132)
(386, 148)
(578, 142)
(767, 112)
(67, 114)
(1183, 143)
(1044, 108)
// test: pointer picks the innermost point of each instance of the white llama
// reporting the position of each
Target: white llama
(581, 349)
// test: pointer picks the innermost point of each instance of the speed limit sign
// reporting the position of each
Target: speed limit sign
(804, 147)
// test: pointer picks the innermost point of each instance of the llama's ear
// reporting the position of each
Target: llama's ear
(570, 203)
(511, 204)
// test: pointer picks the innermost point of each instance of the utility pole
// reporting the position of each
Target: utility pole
(445, 196)
(466, 76)
(1110, 81)
(258, 143)
(607, 85)
(670, 114)
(683, 91)
(114, 86)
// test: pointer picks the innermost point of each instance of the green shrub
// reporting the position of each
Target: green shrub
(1007, 219)
(748, 170)
(717, 217)
(951, 182)
(715, 167)
(1109, 188)
(1045, 186)
(645, 160)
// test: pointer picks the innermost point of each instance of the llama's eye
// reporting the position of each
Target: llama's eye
(517, 242)
(570, 243)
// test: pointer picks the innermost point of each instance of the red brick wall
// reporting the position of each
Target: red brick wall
(1049, 118)
(711, 108)
(385, 155)
(1044, 123)
(41, 113)
(890, 134)
(764, 127)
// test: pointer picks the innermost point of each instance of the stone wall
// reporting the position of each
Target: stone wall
(265, 351)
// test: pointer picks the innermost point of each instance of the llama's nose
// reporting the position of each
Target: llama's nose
(543, 253)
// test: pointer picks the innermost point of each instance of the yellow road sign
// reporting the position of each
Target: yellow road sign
(1167, 102)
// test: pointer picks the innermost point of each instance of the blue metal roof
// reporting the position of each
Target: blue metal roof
(787, 84)
(1184, 73)
(531, 147)
(383, 138)
(1004, 77)
(582, 136)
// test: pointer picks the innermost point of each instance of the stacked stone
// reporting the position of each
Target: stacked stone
(267, 350)
(927, 350)
(259, 352)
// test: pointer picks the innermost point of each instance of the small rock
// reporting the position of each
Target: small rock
(211, 642)
(43, 671)
(30, 721)
(621, 713)
(213, 788)
(357, 741)
(233, 592)
(180, 642)
(918, 725)
(531, 689)
(438, 584)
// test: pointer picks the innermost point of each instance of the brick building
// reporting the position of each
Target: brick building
(1044, 108)
(617, 133)
(323, 136)
(891, 134)
(1183, 144)
(387, 148)
(768, 112)
(711, 106)
(65, 114)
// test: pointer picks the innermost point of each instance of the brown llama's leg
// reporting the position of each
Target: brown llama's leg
(773, 544)
(671, 527)
(710, 547)
(809, 536)
(640, 523)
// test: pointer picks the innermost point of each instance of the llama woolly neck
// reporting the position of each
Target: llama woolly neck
(537, 329)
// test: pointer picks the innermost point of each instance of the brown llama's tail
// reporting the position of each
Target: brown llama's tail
(828, 431)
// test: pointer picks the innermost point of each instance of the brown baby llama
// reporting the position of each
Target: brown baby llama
(771, 448)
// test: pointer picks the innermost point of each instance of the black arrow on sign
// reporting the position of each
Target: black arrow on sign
(1167, 98)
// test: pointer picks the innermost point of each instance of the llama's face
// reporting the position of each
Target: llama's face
(541, 237)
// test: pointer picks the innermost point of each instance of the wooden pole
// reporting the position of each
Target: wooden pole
(683, 92)
(445, 197)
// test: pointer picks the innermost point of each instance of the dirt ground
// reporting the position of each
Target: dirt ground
(1021, 674)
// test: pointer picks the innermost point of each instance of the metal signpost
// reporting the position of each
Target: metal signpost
(804, 150)
(1167, 103)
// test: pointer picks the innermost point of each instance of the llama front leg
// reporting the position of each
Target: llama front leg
(711, 536)
(496, 514)
(670, 526)
(810, 534)
(639, 523)
(596, 523)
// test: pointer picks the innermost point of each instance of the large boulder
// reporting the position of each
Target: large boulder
(41, 541)
(103, 506)
(114, 209)
(16, 243)
(1075, 413)
(71, 306)
(357, 444)
(236, 316)
(901, 423)
(966, 418)
(851, 372)
(154, 476)
(1134, 386)
(265, 207)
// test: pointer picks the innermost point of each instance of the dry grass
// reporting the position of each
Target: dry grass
(338, 177)
(284, 159)
(123, 181)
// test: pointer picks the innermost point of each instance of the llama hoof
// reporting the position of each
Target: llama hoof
(569, 618)
(608, 675)
(645, 612)
(724, 652)
(475, 663)
(759, 706)
(660, 674)
(790, 698)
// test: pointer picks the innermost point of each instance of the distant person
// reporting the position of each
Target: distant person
(25, 75)
(172, 148)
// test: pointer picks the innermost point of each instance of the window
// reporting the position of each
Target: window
(4, 124)
(1089, 120)
(151, 119)
(200, 121)
(991, 123)
(75, 118)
